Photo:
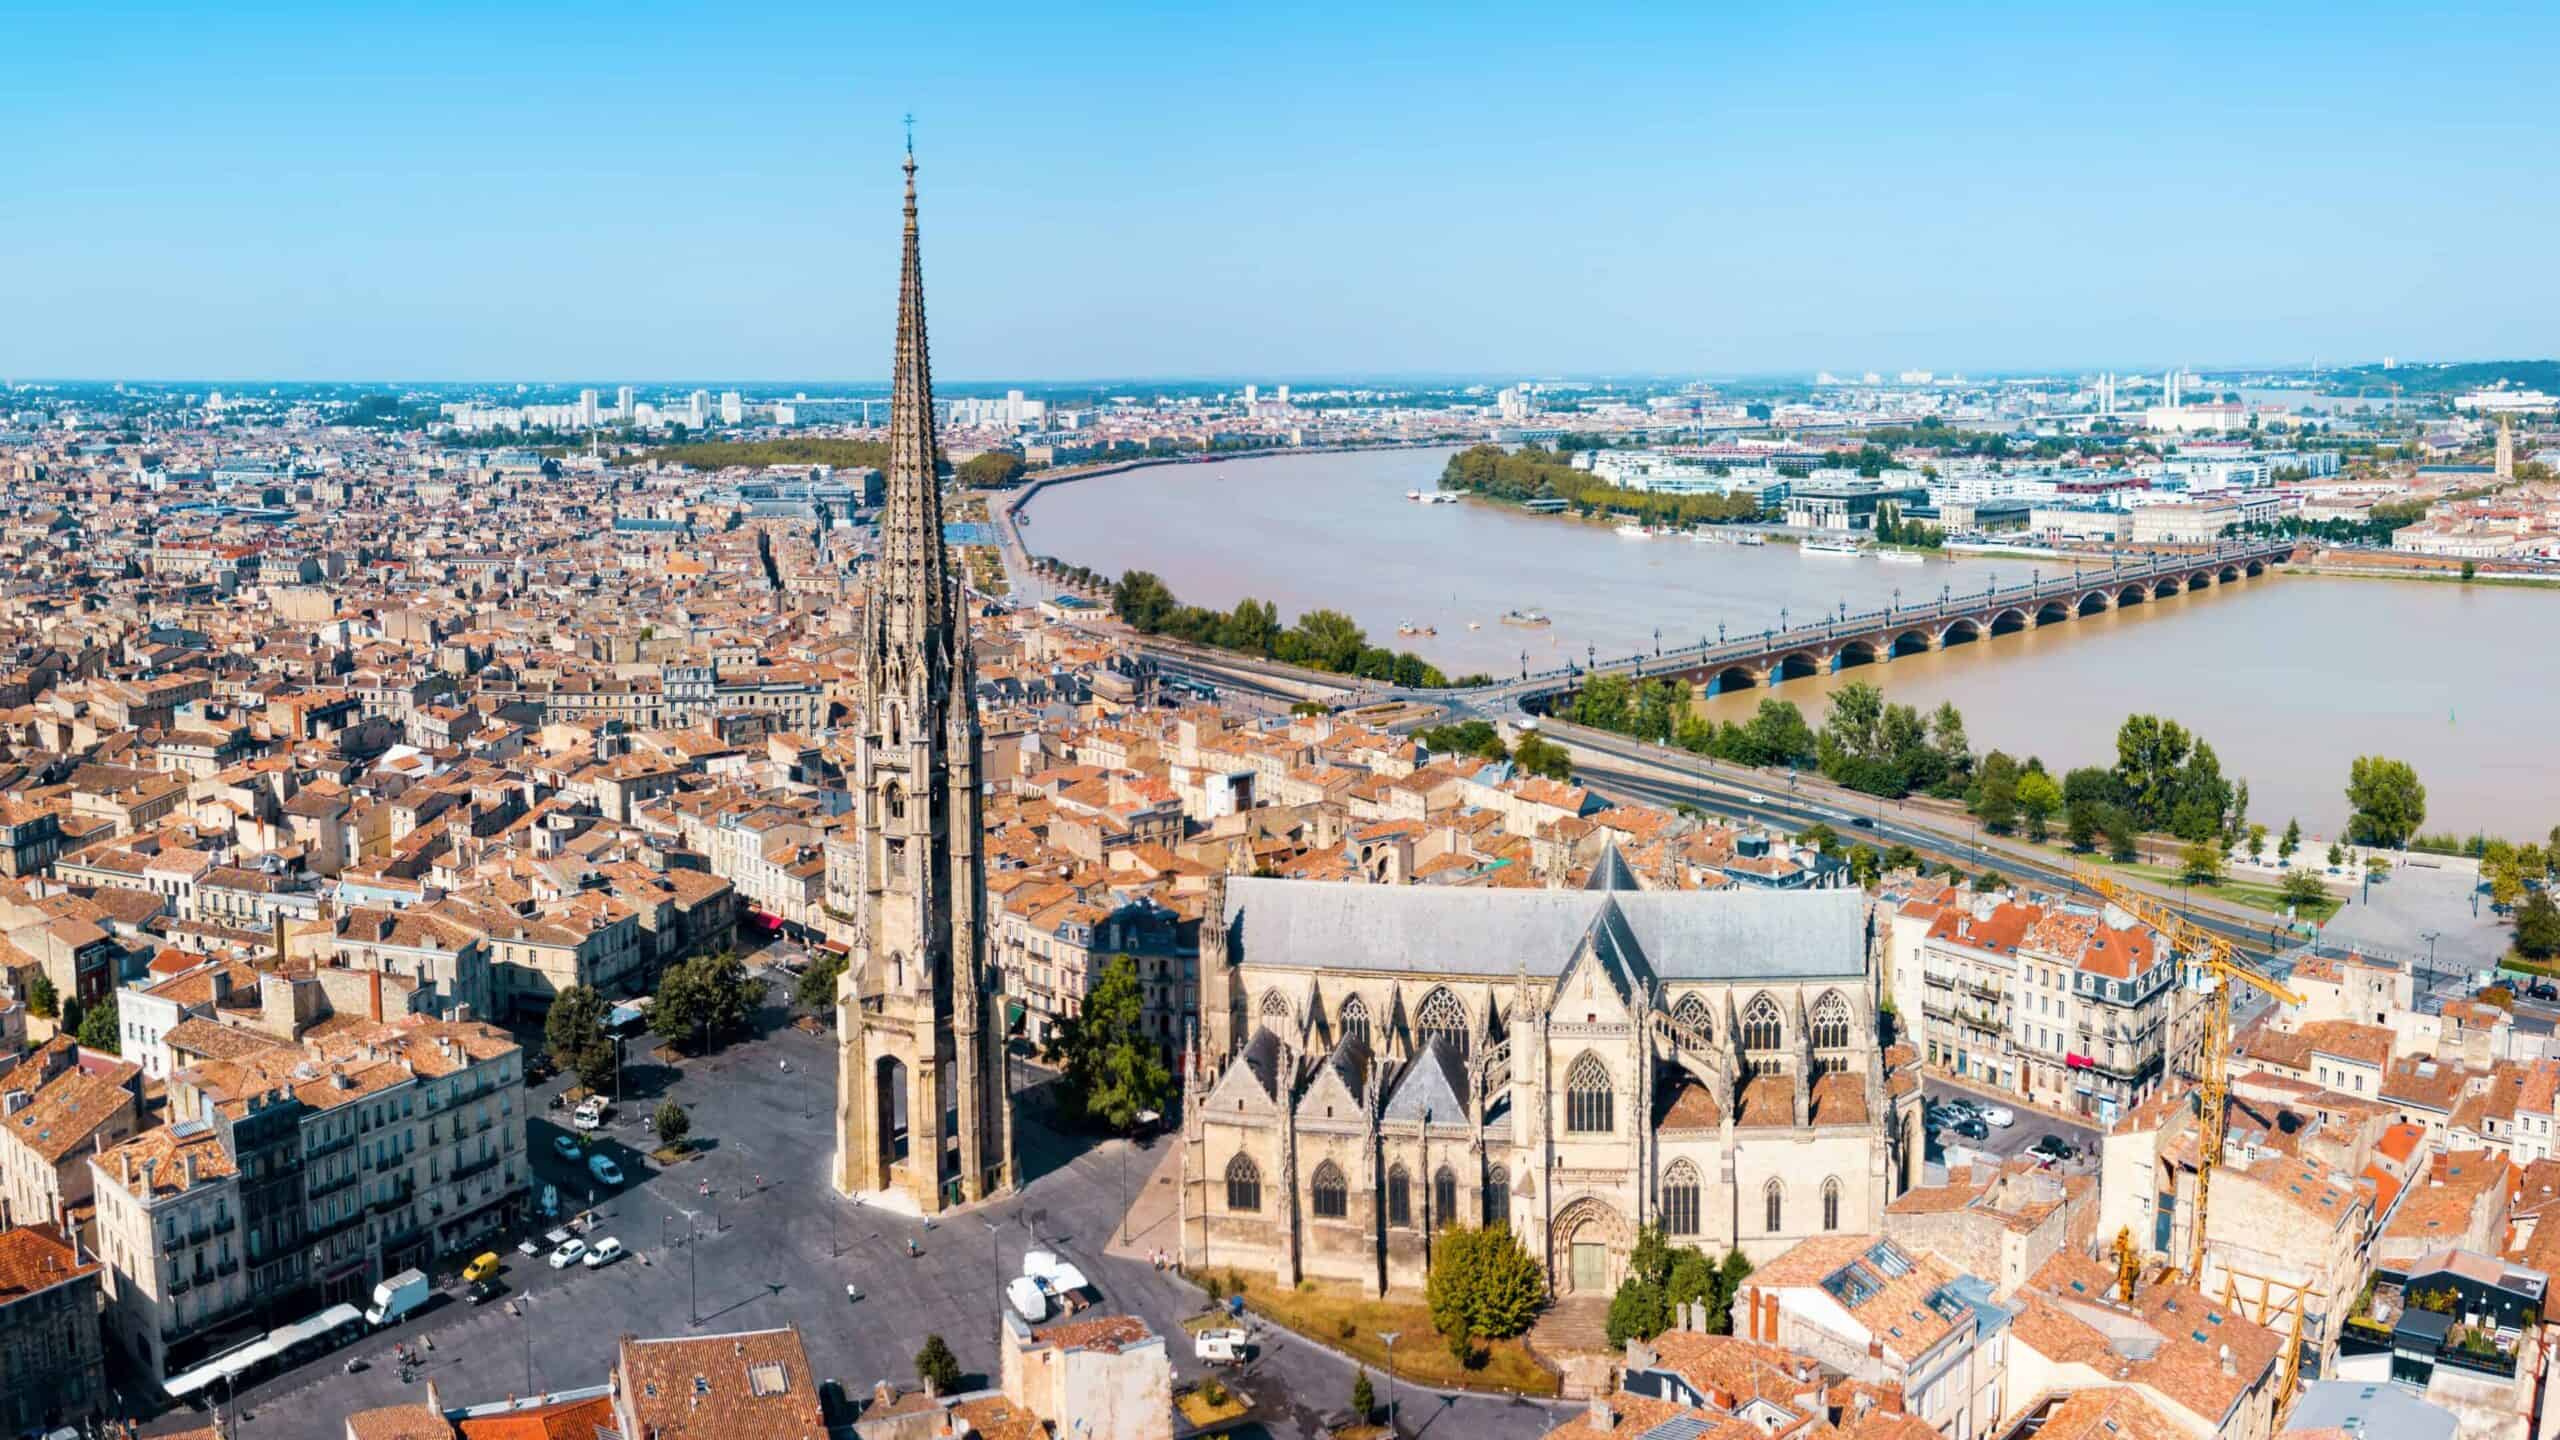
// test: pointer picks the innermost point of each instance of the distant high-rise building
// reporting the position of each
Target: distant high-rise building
(2506, 447)
(587, 412)
(1280, 393)
(622, 400)
(698, 408)
(732, 409)
(1250, 391)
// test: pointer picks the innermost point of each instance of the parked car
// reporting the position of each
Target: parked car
(2055, 1148)
(606, 1251)
(603, 1168)
(570, 1251)
(567, 1145)
(1999, 1116)
(1969, 1128)
(482, 1267)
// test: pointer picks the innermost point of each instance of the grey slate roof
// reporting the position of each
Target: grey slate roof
(1736, 934)
(1433, 1083)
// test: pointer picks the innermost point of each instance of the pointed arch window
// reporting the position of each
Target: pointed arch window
(1444, 1198)
(1761, 1028)
(1355, 1019)
(1275, 1006)
(894, 801)
(1680, 1199)
(1497, 1197)
(1332, 1197)
(1831, 1022)
(1442, 1017)
(1831, 1203)
(1774, 1200)
(1590, 1100)
(1244, 1185)
(1694, 1016)
(1399, 1197)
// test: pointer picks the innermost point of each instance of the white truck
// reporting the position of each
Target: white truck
(1222, 1347)
(396, 1297)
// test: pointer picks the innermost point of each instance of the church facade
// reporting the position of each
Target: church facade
(1377, 1062)
(922, 1109)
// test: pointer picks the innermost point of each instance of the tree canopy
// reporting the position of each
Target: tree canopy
(701, 999)
(1114, 1073)
(574, 1029)
(1321, 639)
(2389, 802)
(1483, 1285)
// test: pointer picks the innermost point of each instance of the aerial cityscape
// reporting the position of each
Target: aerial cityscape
(1474, 798)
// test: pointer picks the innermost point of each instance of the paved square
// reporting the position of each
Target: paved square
(783, 1253)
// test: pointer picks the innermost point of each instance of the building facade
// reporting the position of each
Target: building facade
(1379, 1061)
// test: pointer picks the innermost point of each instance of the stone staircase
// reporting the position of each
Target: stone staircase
(1572, 1338)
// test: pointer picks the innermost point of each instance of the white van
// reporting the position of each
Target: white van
(606, 1251)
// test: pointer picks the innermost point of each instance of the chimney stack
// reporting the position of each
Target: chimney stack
(1601, 1417)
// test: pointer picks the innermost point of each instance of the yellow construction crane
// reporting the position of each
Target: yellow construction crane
(2220, 960)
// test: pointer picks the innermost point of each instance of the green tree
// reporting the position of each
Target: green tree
(1483, 1284)
(1776, 735)
(2081, 823)
(2337, 854)
(1364, 1396)
(2257, 842)
(43, 1001)
(990, 470)
(2151, 754)
(2123, 834)
(1995, 793)
(2302, 889)
(2389, 802)
(1538, 755)
(937, 1367)
(73, 1012)
(2538, 926)
(702, 999)
(1329, 638)
(1637, 1311)
(1114, 1072)
(574, 1029)
(100, 1029)
(1253, 627)
(2039, 800)
(2201, 862)
(1142, 601)
(817, 987)
(673, 1124)
(2292, 840)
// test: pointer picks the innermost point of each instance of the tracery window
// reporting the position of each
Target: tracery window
(1399, 1197)
(1355, 1019)
(1590, 1100)
(1775, 1198)
(1831, 1203)
(1761, 1028)
(1331, 1195)
(1442, 1017)
(1244, 1184)
(1680, 1199)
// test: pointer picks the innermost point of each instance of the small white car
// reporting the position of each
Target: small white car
(1999, 1116)
(568, 1254)
(606, 1252)
(1028, 1299)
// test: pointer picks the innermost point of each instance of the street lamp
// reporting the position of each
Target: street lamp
(1391, 1337)
(1719, 634)
(1657, 641)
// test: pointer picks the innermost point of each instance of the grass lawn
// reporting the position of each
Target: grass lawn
(1195, 1407)
(2256, 894)
(1340, 1316)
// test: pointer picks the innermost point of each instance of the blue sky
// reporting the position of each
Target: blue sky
(634, 191)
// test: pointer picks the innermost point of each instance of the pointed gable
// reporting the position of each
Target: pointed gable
(1609, 962)
(1250, 1085)
(1434, 1085)
(1339, 1089)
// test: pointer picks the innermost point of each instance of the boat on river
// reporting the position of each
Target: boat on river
(1532, 619)
(1634, 532)
(1901, 557)
(1827, 545)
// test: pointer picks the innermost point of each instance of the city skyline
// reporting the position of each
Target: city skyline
(299, 195)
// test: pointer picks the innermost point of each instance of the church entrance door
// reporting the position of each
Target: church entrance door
(1590, 1267)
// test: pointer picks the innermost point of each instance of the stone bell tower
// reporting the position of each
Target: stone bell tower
(922, 1108)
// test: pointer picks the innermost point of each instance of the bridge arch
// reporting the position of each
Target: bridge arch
(1911, 642)
(2132, 595)
(1799, 665)
(1733, 677)
(2094, 603)
(2255, 568)
(2199, 579)
(1960, 631)
(2010, 621)
(2053, 612)
(2227, 574)
(2167, 585)
(1857, 652)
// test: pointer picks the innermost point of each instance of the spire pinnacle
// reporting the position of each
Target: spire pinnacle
(913, 570)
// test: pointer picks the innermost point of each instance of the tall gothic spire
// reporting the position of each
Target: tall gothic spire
(914, 592)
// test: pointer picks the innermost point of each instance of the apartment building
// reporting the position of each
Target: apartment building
(298, 1173)
(1883, 1315)
(52, 1363)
